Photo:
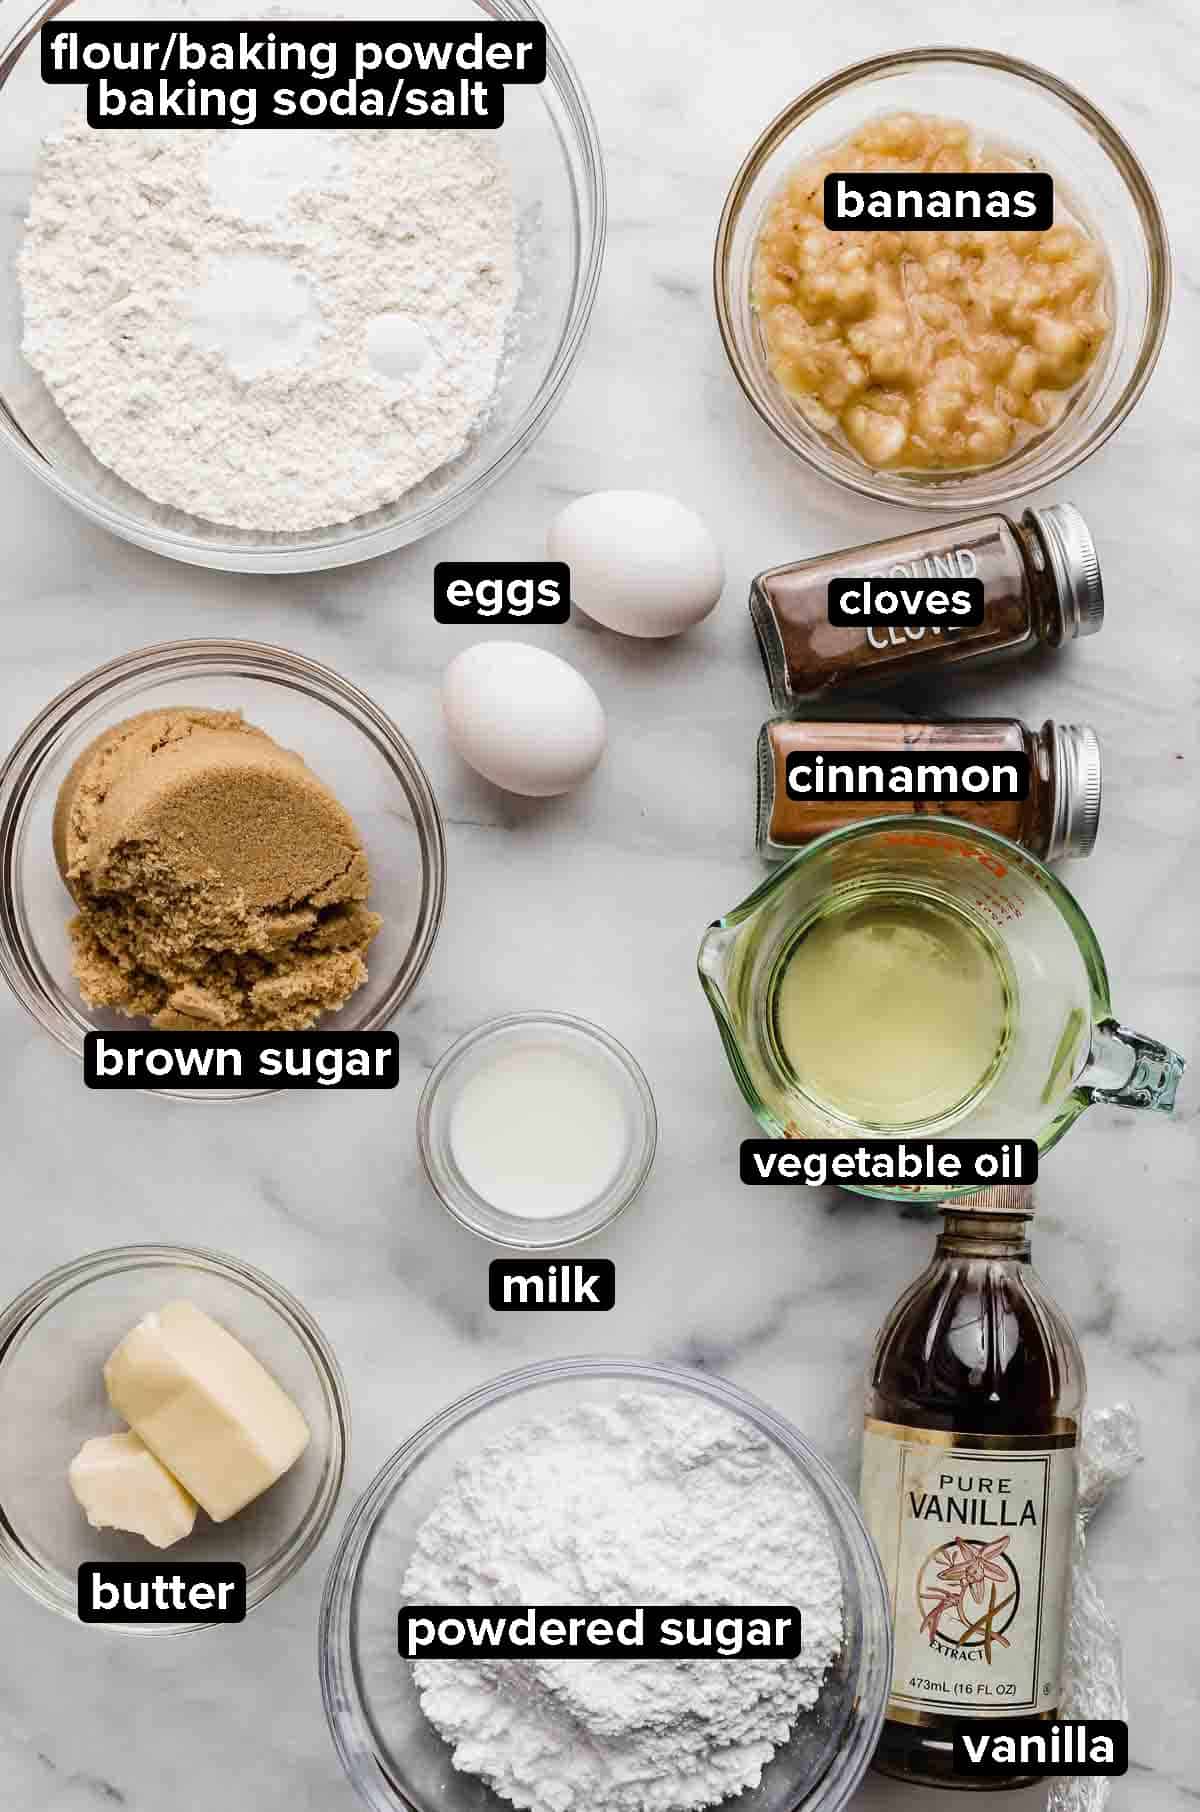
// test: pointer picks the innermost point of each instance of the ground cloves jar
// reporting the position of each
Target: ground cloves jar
(1041, 587)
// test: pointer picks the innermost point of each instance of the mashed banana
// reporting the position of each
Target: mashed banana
(927, 350)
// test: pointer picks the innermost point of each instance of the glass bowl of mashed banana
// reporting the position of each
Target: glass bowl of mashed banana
(940, 365)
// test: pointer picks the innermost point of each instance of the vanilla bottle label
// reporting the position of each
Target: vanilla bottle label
(974, 1533)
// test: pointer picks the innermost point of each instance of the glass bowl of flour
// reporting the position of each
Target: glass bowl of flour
(276, 350)
(617, 1483)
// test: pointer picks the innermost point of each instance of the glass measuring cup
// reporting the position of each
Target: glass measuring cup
(1063, 1047)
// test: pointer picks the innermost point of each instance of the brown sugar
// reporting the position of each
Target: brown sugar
(220, 884)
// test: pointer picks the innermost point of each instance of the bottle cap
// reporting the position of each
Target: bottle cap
(1074, 567)
(1001, 1198)
(1078, 783)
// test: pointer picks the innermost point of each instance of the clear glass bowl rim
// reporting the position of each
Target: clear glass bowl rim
(368, 543)
(259, 660)
(336, 1659)
(63, 1282)
(906, 488)
(523, 1234)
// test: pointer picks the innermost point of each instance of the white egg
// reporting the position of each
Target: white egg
(522, 718)
(640, 563)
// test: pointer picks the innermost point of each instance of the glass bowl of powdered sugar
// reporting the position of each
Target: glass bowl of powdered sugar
(274, 349)
(605, 1483)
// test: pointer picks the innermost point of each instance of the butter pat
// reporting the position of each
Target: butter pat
(205, 1407)
(120, 1485)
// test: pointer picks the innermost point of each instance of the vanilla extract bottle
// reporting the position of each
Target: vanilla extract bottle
(969, 1488)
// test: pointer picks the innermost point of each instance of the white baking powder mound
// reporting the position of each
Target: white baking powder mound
(652, 1498)
(275, 330)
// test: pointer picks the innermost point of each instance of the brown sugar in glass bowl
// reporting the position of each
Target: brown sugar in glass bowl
(1099, 178)
(220, 885)
(361, 757)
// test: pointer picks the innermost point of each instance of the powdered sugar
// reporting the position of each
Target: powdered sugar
(205, 316)
(651, 1499)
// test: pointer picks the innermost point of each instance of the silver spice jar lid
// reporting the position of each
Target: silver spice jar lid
(1001, 1198)
(1074, 566)
(1077, 791)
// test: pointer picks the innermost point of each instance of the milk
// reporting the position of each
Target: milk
(539, 1131)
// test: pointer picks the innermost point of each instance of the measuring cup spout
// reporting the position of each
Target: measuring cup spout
(1129, 1070)
(716, 954)
(715, 963)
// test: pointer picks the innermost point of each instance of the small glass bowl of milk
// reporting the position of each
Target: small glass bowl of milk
(537, 1130)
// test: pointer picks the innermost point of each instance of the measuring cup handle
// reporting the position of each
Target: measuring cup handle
(1135, 1071)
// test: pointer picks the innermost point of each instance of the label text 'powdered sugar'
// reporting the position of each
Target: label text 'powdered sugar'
(596, 1632)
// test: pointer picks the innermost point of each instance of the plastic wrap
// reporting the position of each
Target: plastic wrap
(1093, 1678)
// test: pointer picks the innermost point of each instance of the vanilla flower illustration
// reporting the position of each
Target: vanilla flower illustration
(976, 1566)
(943, 1601)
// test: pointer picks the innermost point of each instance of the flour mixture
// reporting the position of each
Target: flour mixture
(275, 330)
(651, 1499)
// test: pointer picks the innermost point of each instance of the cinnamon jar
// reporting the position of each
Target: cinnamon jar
(1059, 816)
(1041, 587)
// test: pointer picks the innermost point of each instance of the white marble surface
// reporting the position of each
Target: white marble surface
(595, 905)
